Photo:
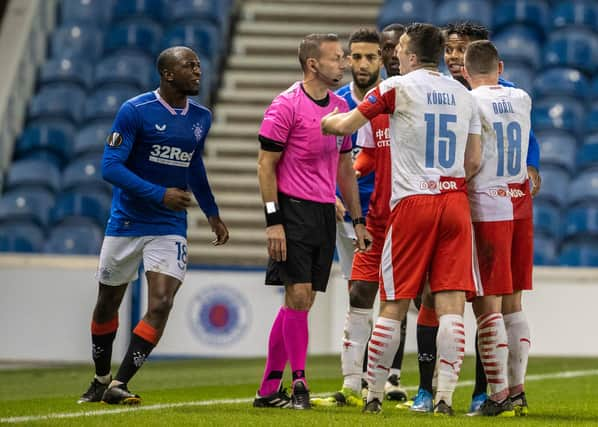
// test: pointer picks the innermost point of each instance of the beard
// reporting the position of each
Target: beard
(369, 83)
(191, 92)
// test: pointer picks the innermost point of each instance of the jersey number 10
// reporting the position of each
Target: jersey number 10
(447, 140)
(513, 149)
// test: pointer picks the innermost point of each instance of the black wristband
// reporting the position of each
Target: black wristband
(273, 218)
(358, 220)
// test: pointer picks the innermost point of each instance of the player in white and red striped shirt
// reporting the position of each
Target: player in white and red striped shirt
(435, 148)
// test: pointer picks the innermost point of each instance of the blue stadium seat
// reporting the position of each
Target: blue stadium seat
(92, 138)
(52, 139)
(577, 48)
(558, 148)
(558, 113)
(105, 102)
(130, 68)
(555, 184)
(533, 13)
(77, 41)
(67, 70)
(77, 207)
(591, 124)
(216, 12)
(583, 188)
(21, 237)
(405, 12)
(61, 101)
(561, 82)
(518, 44)
(521, 74)
(545, 249)
(547, 219)
(137, 36)
(153, 9)
(29, 204)
(579, 254)
(204, 39)
(581, 221)
(30, 172)
(449, 11)
(578, 13)
(594, 88)
(85, 174)
(74, 239)
(587, 155)
(96, 12)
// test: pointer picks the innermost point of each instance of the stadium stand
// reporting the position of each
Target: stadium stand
(102, 52)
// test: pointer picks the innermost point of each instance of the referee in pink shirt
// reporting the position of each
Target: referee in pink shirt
(298, 169)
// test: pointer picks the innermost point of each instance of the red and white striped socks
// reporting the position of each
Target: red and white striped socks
(493, 346)
(450, 343)
(519, 345)
(384, 343)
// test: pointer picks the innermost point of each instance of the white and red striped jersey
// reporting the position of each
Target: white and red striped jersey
(498, 190)
(431, 116)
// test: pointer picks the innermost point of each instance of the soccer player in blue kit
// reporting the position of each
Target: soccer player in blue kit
(152, 156)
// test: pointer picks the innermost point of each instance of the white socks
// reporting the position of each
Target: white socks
(519, 345)
(450, 344)
(384, 343)
(494, 352)
(357, 330)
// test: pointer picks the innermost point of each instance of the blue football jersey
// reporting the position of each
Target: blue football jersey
(153, 146)
(365, 183)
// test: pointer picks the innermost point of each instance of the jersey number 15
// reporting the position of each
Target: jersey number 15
(446, 142)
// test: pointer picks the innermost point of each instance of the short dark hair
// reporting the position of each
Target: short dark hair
(310, 46)
(364, 35)
(399, 28)
(481, 57)
(426, 41)
(468, 29)
(169, 56)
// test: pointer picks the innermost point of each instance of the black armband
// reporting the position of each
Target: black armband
(358, 220)
(273, 214)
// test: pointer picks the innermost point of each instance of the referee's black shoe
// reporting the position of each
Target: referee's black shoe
(94, 393)
(278, 399)
(300, 397)
(120, 394)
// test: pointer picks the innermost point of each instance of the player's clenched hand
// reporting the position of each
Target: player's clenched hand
(534, 175)
(340, 209)
(277, 244)
(324, 122)
(364, 238)
(176, 199)
(219, 229)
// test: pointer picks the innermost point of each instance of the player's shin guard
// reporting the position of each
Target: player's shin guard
(277, 357)
(519, 345)
(427, 331)
(493, 349)
(381, 351)
(143, 340)
(357, 330)
(451, 350)
(296, 337)
(102, 337)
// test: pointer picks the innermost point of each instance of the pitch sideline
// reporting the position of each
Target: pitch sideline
(100, 412)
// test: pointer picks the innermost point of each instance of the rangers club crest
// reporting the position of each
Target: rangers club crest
(197, 131)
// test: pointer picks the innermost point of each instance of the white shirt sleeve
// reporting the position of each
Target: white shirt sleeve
(475, 124)
(365, 136)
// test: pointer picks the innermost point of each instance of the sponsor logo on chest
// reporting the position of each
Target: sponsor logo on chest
(168, 155)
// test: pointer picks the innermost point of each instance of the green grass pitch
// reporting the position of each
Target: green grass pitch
(561, 391)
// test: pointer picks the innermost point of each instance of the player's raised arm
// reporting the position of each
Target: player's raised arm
(335, 123)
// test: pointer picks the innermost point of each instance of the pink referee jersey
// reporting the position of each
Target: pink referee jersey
(309, 162)
(431, 116)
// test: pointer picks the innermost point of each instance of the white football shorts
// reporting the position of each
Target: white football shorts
(120, 257)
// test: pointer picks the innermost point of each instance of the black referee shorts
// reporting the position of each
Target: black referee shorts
(310, 229)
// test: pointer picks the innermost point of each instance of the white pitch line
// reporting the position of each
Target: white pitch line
(25, 419)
